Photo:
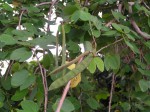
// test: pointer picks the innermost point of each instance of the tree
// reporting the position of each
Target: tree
(112, 74)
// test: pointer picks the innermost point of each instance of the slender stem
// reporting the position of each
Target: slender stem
(9, 68)
(63, 96)
(20, 18)
(50, 12)
(43, 3)
(65, 92)
(68, 64)
(109, 45)
(109, 23)
(43, 74)
(56, 58)
(146, 5)
(135, 26)
(111, 92)
(63, 48)
(63, 45)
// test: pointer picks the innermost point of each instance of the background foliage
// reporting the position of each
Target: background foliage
(117, 80)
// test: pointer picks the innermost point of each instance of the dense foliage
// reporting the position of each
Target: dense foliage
(114, 68)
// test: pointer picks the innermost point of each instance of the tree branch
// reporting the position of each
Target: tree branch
(20, 18)
(109, 45)
(135, 26)
(43, 74)
(43, 3)
(57, 45)
(111, 92)
(9, 68)
(63, 96)
(65, 91)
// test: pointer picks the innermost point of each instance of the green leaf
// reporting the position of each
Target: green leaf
(1, 104)
(112, 61)
(126, 106)
(2, 96)
(7, 39)
(96, 33)
(21, 54)
(117, 27)
(71, 74)
(29, 106)
(66, 107)
(19, 95)
(28, 82)
(75, 102)
(44, 42)
(133, 47)
(110, 33)
(69, 9)
(144, 85)
(67, 28)
(87, 46)
(3, 55)
(6, 83)
(72, 46)
(141, 64)
(33, 9)
(118, 15)
(30, 27)
(7, 7)
(147, 59)
(144, 72)
(149, 21)
(93, 103)
(147, 44)
(22, 34)
(48, 60)
(92, 66)
(130, 37)
(97, 23)
(125, 28)
(103, 95)
(19, 78)
(80, 14)
(100, 64)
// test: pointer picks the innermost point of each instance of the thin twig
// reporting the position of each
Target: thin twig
(46, 91)
(68, 64)
(135, 26)
(43, 74)
(109, 45)
(63, 96)
(111, 92)
(57, 45)
(50, 12)
(63, 47)
(65, 92)
(109, 23)
(43, 3)
(146, 5)
(9, 68)
(20, 18)
(119, 7)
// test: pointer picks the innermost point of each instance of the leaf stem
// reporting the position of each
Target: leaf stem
(63, 47)
(56, 58)
(109, 45)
